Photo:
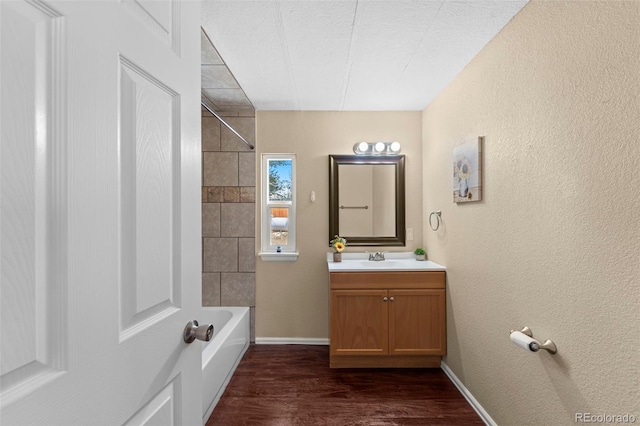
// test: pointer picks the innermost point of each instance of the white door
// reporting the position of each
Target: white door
(100, 214)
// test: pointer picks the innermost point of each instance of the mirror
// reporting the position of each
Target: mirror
(366, 199)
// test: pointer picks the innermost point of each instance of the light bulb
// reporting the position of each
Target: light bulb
(363, 146)
(380, 146)
(395, 146)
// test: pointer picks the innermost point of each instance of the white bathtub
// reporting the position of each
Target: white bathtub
(221, 355)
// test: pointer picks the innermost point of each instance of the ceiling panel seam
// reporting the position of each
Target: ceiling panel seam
(345, 81)
(419, 45)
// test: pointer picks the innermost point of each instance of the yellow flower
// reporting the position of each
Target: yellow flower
(338, 243)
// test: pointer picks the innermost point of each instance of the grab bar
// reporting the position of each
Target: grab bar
(204, 104)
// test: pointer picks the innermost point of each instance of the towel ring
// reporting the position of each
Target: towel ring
(438, 216)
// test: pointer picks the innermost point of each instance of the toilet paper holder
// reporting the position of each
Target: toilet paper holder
(535, 345)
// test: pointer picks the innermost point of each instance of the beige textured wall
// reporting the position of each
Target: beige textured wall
(292, 297)
(554, 245)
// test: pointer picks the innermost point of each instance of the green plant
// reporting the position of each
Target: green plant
(419, 251)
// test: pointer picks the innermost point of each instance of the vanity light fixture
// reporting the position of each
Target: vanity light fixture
(377, 148)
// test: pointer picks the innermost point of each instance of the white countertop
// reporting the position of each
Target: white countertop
(395, 261)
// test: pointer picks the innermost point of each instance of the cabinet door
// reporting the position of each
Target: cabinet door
(359, 324)
(417, 322)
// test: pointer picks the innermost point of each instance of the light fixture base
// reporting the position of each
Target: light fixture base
(377, 148)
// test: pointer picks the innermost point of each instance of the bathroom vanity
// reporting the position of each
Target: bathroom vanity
(389, 313)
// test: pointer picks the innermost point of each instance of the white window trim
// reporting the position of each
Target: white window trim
(267, 252)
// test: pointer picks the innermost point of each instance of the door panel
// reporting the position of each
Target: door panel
(359, 324)
(100, 212)
(159, 410)
(417, 322)
(33, 270)
(160, 17)
(149, 217)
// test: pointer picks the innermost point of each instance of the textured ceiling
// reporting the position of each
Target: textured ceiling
(345, 55)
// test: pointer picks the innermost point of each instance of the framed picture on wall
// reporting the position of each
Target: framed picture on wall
(467, 171)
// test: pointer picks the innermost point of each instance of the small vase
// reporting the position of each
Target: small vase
(337, 257)
(464, 188)
(419, 256)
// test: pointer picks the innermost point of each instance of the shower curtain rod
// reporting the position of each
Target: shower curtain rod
(204, 104)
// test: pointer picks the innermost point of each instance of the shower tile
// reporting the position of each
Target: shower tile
(220, 168)
(246, 126)
(220, 254)
(238, 113)
(227, 98)
(217, 77)
(208, 54)
(210, 289)
(246, 254)
(248, 194)
(231, 194)
(210, 134)
(205, 194)
(211, 220)
(215, 194)
(237, 220)
(247, 168)
(237, 289)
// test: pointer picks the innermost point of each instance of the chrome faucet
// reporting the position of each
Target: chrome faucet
(376, 257)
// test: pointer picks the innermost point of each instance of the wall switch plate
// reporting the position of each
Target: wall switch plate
(409, 234)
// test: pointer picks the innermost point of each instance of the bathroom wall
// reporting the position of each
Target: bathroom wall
(554, 244)
(292, 297)
(228, 211)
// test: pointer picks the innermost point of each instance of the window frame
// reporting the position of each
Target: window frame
(269, 252)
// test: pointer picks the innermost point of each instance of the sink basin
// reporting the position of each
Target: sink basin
(394, 262)
(382, 264)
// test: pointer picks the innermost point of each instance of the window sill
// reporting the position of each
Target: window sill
(279, 257)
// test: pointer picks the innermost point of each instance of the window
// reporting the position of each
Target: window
(278, 207)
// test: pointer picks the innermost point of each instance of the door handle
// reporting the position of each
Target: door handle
(194, 331)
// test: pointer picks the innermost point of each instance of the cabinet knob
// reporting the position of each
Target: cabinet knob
(392, 298)
(385, 299)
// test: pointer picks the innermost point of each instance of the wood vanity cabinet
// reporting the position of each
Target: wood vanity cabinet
(387, 319)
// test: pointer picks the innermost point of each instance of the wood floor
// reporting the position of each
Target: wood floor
(293, 385)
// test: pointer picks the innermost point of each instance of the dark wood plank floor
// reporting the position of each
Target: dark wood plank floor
(293, 385)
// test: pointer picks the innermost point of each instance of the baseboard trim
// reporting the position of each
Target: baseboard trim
(486, 418)
(291, 341)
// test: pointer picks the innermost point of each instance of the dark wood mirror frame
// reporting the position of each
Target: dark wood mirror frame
(334, 207)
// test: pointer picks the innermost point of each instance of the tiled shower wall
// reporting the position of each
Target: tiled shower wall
(228, 212)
